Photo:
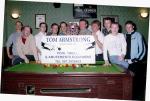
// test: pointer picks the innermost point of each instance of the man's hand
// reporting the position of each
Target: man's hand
(26, 60)
(107, 63)
(95, 37)
(100, 45)
(130, 61)
(38, 61)
(10, 56)
(121, 58)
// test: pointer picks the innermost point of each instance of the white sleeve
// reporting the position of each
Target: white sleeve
(124, 44)
(36, 39)
(105, 55)
(33, 47)
(101, 38)
(38, 42)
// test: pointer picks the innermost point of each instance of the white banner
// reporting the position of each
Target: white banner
(68, 49)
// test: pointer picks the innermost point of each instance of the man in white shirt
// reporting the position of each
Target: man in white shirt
(38, 37)
(115, 44)
(99, 38)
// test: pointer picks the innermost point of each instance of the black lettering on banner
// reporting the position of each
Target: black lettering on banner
(51, 39)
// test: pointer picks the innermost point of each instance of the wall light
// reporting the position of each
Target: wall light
(144, 13)
(15, 15)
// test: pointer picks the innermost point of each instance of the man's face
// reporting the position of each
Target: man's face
(95, 27)
(43, 28)
(129, 28)
(114, 28)
(26, 32)
(54, 29)
(18, 26)
(82, 25)
(107, 24)
(63, 27)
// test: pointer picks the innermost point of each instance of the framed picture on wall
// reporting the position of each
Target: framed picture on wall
(84, 11)
(114, 18)
(39, 18)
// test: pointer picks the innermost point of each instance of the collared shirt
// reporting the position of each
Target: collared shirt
(85, 32)
(12, 41)
(105, 31)
(51, 34)
(38, 38)
(101, 39)
(114, 45)
(61, 34)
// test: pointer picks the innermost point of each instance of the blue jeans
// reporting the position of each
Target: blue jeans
(17, 60)
(114, 59)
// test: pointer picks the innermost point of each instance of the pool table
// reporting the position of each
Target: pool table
(90, 81)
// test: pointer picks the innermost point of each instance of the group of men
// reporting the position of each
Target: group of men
(111, 46)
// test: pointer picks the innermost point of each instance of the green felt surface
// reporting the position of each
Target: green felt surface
(38, 68)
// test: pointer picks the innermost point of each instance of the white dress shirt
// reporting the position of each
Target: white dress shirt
(38, 38)
(101, 39)
(114, 45)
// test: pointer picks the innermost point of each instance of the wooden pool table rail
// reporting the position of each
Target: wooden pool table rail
(107, 86)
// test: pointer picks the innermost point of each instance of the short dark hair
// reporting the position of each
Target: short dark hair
(119, 26)
(19, 22)
(132, 23)
(108, 18)
(115, 23)
(63, 23)
(96, 22)
(44, 24)
(26, 26)
(54, 24)
(85, 21)
(129, 22)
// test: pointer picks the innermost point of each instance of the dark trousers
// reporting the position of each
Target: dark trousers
(139, 79)
(17, 60)
(99, 57)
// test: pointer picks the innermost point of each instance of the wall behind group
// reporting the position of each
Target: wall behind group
(28, 10)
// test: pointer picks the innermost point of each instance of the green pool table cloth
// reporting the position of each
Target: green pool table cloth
(39, 68)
